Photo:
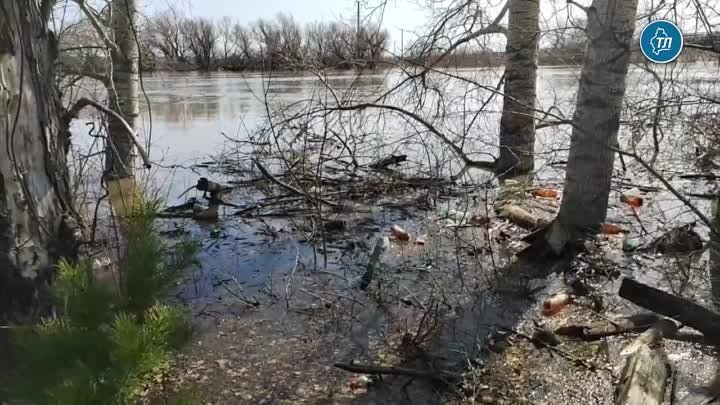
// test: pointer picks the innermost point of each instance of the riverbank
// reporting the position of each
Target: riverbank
(451, 305)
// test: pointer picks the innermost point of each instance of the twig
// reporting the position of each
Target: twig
(408, 372)
(671, 189)
(561, 352)
(292, 273)
(256, 303)
(290, 188)
(92, 17)
(84, 102)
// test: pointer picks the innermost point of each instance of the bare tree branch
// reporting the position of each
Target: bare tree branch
(84, 102)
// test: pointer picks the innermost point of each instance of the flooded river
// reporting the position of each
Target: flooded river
(196, 117)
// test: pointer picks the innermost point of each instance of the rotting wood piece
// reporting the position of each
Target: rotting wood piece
(601, 329)
(680, 309)
(521, 217)
(643, 379)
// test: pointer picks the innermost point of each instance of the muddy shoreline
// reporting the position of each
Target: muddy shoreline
(274, 313)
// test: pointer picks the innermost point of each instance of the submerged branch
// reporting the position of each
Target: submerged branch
(430, 127)
(290, 188)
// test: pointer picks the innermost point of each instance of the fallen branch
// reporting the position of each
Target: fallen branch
(290, 188)
(603, 329)
(670, 188)
(389, 161)
(382, 245)
(408, 372)
(84, 102)
(700, 176)
(544, 343)
(677, 308)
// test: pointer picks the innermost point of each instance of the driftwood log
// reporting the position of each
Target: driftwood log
(643, 379)
(522, 217)
(680, 309)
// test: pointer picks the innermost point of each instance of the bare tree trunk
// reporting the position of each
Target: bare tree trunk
(123, 98)
(517, 126)
(35, 205)
(611, 24)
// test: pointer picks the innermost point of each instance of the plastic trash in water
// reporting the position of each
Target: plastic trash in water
(557, 303)
(399, 233)
(546, 193)
(632, 200)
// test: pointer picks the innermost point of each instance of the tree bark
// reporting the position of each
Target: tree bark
(36, 215)
(596, 122)
(715, 254)
(517, 125)
(120, 156)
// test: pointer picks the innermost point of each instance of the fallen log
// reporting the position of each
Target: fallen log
(680, 309)
(602, 329)
(389, 161)
(290, 188)
(643, 379)
(521, 217)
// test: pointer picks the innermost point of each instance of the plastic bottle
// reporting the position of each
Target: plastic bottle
(399, 233)
(556, 303)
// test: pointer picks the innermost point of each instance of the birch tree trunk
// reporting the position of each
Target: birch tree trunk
(36, 215)
(517, 125)
(120, 156)
(611, 24)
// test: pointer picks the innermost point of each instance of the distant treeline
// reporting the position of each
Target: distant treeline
(172, 40)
